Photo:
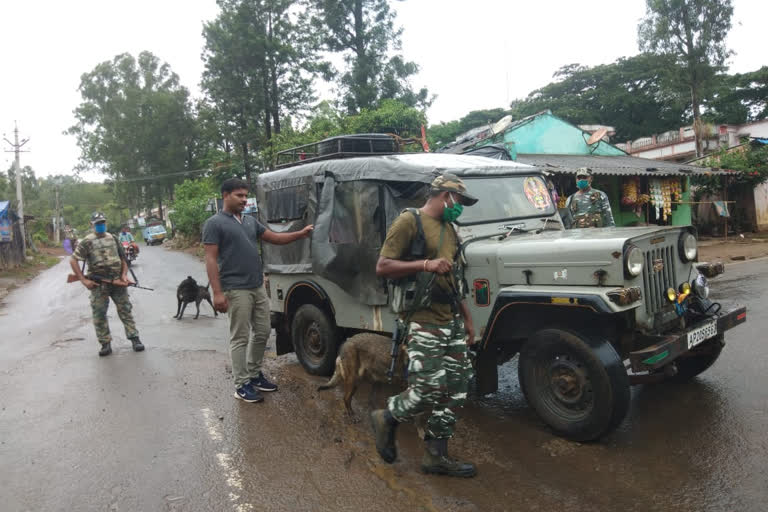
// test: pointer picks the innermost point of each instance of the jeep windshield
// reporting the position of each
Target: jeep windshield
(505, 198)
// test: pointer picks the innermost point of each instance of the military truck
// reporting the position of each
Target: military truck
(589, 311)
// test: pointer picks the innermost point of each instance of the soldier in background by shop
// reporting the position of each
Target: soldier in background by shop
(588, 207)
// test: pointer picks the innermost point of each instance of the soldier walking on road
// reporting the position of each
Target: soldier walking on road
(437, 329)
(105, 258)
(234, 266)
(589, 208)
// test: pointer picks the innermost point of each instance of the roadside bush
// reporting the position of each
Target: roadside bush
(191, 198)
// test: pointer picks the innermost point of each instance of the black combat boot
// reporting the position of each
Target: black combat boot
(106, 349)
(436, 461)
(137, 346)
(384, 426)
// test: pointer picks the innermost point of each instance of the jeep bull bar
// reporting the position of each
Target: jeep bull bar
(664, 349)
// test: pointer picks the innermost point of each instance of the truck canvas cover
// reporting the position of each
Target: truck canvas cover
(352, 202)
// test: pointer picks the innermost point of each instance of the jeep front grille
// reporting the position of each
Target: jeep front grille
(656, 281)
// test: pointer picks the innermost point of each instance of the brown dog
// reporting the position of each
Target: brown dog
(365, 356)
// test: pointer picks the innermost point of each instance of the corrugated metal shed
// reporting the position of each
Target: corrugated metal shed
(614, 165)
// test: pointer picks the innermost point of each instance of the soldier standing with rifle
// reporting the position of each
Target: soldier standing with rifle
(434, 322)
(107, 278)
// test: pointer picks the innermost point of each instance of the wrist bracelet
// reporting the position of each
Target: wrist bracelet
(425, 265)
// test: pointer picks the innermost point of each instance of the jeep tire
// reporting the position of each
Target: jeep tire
(577, 384)
(698, 360)
(314, 340)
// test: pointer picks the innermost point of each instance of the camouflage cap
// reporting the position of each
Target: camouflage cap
(583, 171)
(453, 183)
(98, 217)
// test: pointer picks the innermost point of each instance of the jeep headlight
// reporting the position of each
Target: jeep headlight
(633, 261)
(687, 246)
(701, 287)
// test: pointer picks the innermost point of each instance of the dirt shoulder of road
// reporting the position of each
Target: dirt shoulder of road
(180, 244)
(43, 259)
(735, 248)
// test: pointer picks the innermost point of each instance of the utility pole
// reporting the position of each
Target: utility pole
(56, 222)
(19, 197)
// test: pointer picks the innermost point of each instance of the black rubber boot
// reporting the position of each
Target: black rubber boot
(106, 349)
(384, 427)
(137, 346)
(437, 462)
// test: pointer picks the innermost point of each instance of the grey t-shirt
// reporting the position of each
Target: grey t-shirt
(240, 265)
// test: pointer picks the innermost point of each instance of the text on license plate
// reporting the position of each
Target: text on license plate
(702, 333)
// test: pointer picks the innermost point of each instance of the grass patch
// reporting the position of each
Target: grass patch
(39, 262)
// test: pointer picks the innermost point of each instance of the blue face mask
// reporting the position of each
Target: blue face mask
(582, 184)
(101, 227)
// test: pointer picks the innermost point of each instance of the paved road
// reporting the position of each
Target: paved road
(159, 430)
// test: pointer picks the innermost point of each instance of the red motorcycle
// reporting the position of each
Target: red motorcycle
(130, 252)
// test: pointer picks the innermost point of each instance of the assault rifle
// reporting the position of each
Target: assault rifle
(397, 338)
(71, 278)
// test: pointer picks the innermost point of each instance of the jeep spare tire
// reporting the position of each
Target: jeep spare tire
(314, 340)
(577, 384)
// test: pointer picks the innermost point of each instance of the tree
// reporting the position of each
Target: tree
(30, 188)
(260, 60)
(364, 32)
(635, 95)
(693, 32)
(134, 125)
(189, 211)
(739, 98)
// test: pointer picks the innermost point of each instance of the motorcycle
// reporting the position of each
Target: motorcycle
(130, 252)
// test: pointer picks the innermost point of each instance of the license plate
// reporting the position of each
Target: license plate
(702, 333)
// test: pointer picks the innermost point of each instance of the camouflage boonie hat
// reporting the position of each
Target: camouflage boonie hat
(583, 171)
(98, 217)
(453, 183)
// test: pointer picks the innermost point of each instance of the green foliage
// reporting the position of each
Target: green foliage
(260, 61)
(30, 188)
(134, 124)
(392, 116)
(364, 32)
(190, 200)
(693, 33)
(739, 98)
(750, 160)
(635, 95)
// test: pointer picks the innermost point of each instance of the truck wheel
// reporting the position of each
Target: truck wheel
(578, 385)
(314, 340)
(698, 360)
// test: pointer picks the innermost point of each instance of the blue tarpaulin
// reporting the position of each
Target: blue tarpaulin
(6, 222)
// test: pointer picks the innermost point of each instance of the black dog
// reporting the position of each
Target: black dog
(189, 291)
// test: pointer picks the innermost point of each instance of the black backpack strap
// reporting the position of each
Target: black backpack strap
(419, 243)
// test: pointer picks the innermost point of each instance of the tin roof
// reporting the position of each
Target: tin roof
(613, 165)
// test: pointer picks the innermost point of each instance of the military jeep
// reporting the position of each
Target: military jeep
(589, 311)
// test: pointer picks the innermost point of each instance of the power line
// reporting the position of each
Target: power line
(156, 176)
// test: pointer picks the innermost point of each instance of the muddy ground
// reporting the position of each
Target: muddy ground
(159, 430)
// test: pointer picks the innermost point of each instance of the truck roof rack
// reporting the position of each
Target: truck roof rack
(345, 146)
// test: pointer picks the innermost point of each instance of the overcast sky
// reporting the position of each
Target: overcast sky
(473, 54)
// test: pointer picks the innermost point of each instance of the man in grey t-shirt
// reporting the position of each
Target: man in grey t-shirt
(235, 271)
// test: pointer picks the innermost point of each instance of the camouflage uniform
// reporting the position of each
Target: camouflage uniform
(438, 376)
(590, 209)
(104, 259)
(439, 369)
